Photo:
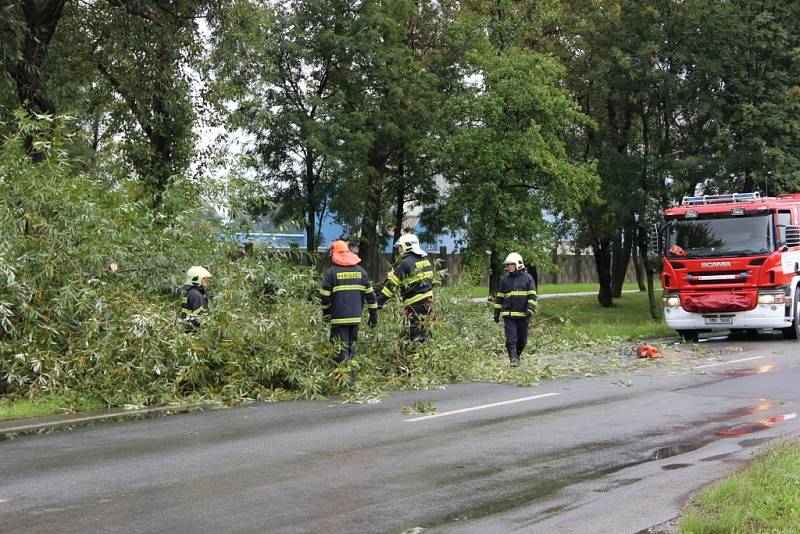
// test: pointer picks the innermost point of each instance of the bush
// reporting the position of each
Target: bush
(69, 322)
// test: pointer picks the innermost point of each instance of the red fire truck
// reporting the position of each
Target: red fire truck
(732, 262)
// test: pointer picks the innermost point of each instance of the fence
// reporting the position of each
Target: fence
(450, 263)
(572, 268)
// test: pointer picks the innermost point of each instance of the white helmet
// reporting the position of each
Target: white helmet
(516, 259)
(196, 274)
(409, 243)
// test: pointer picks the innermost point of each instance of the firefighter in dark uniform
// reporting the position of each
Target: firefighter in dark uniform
(345, 288)
(515, 302)
(195, 303)
(412, 278)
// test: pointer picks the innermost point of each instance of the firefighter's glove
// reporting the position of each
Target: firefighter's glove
(373, 319)
(497, 317)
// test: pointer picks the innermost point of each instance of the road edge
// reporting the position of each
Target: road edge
(15, 428)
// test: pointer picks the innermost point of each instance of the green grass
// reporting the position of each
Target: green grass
(544, 289)
(581, 316)
(20, 408)
(765, 497)
(551, 289)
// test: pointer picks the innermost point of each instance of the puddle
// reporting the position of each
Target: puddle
(730, 375)
(747, 410)
(738, 373)
(673, 467)
(674, 450)
(764, 424)
(742, 430)
(530, 491)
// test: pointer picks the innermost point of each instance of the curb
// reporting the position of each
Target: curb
(44, 425)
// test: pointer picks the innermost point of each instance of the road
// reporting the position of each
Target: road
(612, 454)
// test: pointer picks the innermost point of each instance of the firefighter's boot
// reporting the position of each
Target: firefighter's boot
(512, 355)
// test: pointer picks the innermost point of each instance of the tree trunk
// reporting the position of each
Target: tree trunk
(623, 246)
(369, 243)
(41, 24)
(655, 308)
(555, 262)
(638, 265)
(602, 259)
(399, 202)
(495, 273)
(311, 205)
(368, 247)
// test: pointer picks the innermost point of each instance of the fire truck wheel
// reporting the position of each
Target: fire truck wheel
(690, 336)
(793, 332)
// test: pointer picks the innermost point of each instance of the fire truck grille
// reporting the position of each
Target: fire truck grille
(716, 278)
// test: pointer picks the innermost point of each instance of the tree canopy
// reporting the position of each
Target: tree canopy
(498, 118)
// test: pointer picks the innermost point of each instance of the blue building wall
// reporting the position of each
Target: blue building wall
(331, 231)
(273, 240)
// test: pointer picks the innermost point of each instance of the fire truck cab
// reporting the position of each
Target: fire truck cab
(732, 262)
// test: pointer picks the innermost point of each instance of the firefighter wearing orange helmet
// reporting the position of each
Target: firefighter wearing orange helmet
(344, 291)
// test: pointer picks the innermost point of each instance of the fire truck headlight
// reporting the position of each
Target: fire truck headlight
(671, 301)
(771, 298)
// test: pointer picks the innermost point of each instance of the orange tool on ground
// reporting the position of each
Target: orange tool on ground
(643, 350)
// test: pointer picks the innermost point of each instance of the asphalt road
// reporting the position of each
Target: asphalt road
(614, 454)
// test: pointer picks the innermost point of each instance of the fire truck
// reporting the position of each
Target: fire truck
(732, 262)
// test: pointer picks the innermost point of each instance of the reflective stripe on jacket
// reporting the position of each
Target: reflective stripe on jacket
(516, 296)
(344, 291)
(412, 278)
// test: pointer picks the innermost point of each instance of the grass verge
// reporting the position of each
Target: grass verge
(544, 289)
(578, 317)
(765, 497)
(22, 408)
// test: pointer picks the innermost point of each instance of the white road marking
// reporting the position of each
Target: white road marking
(728, 362)
(481, 407)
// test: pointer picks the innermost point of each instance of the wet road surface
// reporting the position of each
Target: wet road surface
(613, 454)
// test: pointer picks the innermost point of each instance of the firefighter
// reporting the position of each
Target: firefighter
(195, 302)
(515, 302)
(412, 278)
(344, 290)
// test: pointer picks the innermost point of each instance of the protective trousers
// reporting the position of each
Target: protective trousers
(417, 315)
(516, 329)
(344, 336)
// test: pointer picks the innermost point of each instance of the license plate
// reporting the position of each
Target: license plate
(719, 320)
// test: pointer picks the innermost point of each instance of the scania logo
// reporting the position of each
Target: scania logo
(715, 264)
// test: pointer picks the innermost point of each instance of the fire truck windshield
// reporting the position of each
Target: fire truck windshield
(716, 237)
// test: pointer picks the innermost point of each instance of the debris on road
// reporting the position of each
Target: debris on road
(643, 350)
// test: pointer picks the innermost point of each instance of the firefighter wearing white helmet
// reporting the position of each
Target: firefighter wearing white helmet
(412, 279)
(515, 302)
(195, 302)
